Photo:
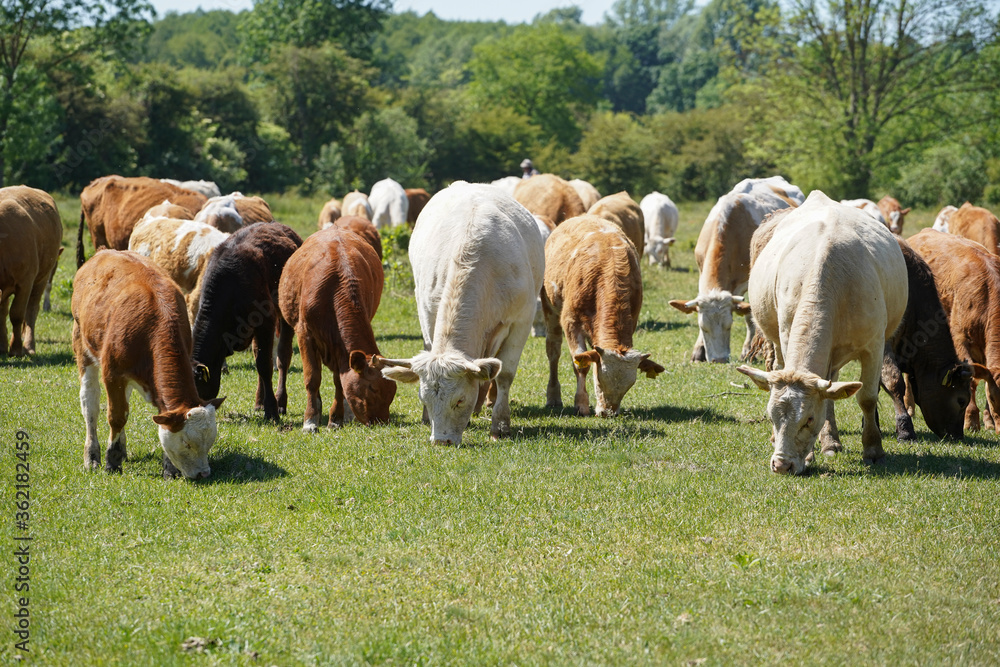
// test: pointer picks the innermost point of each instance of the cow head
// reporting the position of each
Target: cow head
(715, 319)
(614, 374)
(896, 219)
(943, 394)
(187, 435)
(658, 249)
(368, 392)
(449, 388)
(797, 409)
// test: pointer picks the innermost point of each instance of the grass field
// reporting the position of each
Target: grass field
(658, 537)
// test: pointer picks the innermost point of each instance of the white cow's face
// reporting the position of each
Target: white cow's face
(614, 374)
(449, 388)
(715, 319)
(186, 438)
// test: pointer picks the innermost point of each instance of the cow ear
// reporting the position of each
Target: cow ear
(760, 378)
(650, 368)
(172, 420)
(685, 306)
(669, 241)
(216, 402)
(583, 360)
(980, 372)
(905, 211)
(838, 390)
(740, 307)
(489, 368)
(359, 361)
(399, 373)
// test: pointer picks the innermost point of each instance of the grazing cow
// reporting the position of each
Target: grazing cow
(893, 214)
(723, 256)
(508, 184)
(549, 196)
(418, 198)
(390, 206)
(967, 277)
(478, 262)
(868, 206)
(129, 325)
(776, 185)
(660, 218)
(829, 287)
(331, 211)
(622, 210)
(31, 233)
(364, 228)
(207, 188)
(593, 292)
(943, 216)
(166, 209)
(233, 211)
(356, 203)
(181, 248)
(976, 224)
(239, 306)
(111, 206)
(587, 192)
(329, 292)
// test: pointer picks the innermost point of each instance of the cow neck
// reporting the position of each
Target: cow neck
(924, 319)
(173, 378)
(353, 321)
(613, 323)
(458, 329)
(210, 334)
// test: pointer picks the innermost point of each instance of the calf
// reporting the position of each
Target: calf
(550, 196)
(622, 210)
(111, 206)
(233, 211)
(976, 224)
(660, 218)
(477, 262)
(239, 306)
(32, 233)
(807, 287)
(943, 216)
(593, 292)
(329, 292)
(390, 206)
(129, 324)
(893, 214)
(967, 278)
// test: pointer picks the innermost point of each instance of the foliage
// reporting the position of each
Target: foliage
(616, 153)
(206, 40)
(945, 174)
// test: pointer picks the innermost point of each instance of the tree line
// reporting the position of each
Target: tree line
(856, 98)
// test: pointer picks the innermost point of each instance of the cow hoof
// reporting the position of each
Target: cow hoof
(112, 470)
(875, 460)
(92, 466)
(309, 428)
(554, 405)
(583, 412)
(832, 449)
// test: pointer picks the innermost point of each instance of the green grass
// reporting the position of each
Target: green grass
(659, 537)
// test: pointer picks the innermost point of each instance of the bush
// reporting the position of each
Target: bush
(947, 174)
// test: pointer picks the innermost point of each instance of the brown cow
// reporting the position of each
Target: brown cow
(549, 196)
(364, 228)
(894, 214)
(976, 224)
(329, 292)
(111, 206)
(593, 291)
(32, 232)
(622, 210)
(129, 325)
(418, 198)
(968, 281)
(331, 211)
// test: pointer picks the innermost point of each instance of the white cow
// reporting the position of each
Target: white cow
(220, 212)
(660, 217)
(588, 193)
(943, 216)
(868, 206)
(507, 184)
(772, 185)
(389, 204)
(830, 287)
(207, 188)
(478, 262)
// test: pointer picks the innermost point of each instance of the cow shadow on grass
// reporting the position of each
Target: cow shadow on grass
(229, 468)
(656, 326)
(923, 464)
(639, 422)
(39, 360)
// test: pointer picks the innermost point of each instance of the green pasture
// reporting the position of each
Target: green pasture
(659, 537)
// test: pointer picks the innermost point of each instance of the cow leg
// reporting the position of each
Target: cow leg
(972, 412)
(895, 385)
(991, 411)
(582, 398)
(284, 362)
(336, 417)
(4, 308)
(747, 352)
(871, 435)
(18, 309)
(312, 375)
(698, 354)
(90, 406)
(553, 349)
(31, 316)
(263, 345)
(829, 436)
(908, 400)
(117, 418)
(509, 355)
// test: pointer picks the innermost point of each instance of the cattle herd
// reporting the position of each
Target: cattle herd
(185, 276)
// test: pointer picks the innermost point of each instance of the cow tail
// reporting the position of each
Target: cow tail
(80, 257)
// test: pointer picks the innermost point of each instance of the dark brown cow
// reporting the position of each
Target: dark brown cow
(329, 292)
(131, 327)
(418, 198)
(112, 205)
(976, 224)
(593, 292)
(31, 233)
(968, 281)
(894, 214)
(549, 196)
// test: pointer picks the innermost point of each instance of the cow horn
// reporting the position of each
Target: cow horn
(692, 303)
(403, 363)
(737, 298)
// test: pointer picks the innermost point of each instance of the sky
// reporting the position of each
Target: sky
(511, 11)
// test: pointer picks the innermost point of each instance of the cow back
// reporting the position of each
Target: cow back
(31, 233)
(622, 210)
(549, 196)
(976, 224)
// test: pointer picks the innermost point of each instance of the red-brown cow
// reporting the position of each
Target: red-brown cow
(976, 224)
(418, 198)
(894, 214)
(329, 292)
(130, 323)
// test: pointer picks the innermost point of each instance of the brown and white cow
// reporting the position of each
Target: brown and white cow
(549, 196)
(593, 292)
(968, 280)
(723, 256)
(829, 287)
(976, 224)
(166, 209)
(230, 212)
(418, 198)
(331, 211)
(111, 206)
(329, 292)
(131, 329)
(943, 216)
(356, 203)
(588, 193)
(893, 213)
(30, 245)
(622, 210)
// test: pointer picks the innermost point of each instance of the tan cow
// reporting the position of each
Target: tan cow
(130, 331)
(356, 203)
(30, 238)
(588, 193)
(593, 292)
(943, 216)
(111, 206)
(331, 211)
(169, 210)
(549, 196)
(622, 210)
(976, 224)
(893, 214)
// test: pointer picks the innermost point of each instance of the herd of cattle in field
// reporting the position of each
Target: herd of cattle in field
(185, 276)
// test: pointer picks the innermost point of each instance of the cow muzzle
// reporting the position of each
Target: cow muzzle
(786, 466)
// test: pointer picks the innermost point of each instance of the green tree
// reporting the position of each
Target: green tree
(616, 153)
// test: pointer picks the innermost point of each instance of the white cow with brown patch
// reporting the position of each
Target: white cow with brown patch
(357, 203)
(660, 218)
(478, 261)
(593, 292)
(829, 287)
